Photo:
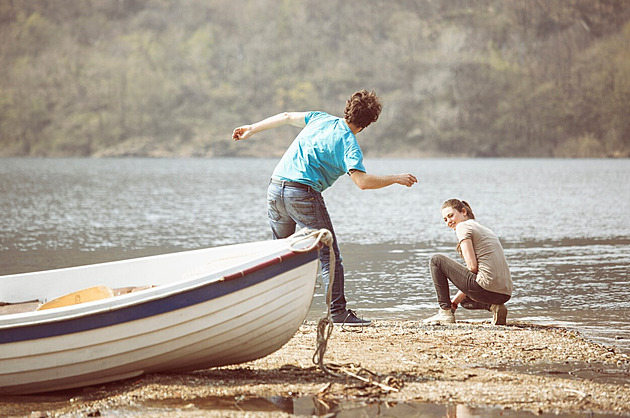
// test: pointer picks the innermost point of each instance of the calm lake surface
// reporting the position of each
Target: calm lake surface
(565, 226)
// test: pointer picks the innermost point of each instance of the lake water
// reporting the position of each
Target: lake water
(565, 226)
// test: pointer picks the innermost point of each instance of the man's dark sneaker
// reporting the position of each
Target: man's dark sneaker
(350, 319)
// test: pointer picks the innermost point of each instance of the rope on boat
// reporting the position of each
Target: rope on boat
(325, 325)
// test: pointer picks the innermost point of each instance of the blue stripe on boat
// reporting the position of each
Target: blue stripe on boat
(150, 308)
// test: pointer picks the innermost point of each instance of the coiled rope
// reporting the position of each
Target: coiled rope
(325, 325)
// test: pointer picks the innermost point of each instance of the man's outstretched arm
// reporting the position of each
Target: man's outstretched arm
(286, 118)
(369, 181)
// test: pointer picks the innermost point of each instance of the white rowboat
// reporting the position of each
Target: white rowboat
(191, 310)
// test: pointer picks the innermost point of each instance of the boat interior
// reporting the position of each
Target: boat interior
(80, 296)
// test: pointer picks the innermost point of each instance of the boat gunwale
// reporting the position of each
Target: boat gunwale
(144, 297)
(225, 273)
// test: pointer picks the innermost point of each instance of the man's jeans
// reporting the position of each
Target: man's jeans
(288, 206)
(444, 268)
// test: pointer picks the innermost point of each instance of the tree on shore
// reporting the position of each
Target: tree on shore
(487, 78)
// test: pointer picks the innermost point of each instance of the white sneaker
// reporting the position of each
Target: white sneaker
(444, 316)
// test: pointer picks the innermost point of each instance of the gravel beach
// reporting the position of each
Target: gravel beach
(519, 367)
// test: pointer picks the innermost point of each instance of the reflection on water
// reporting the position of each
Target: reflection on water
(314, 406)
(564, 230)
(295, 406)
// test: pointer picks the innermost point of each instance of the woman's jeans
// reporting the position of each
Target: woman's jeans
(288, 206)
(444, 268)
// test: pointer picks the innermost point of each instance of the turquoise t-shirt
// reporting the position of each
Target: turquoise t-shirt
(323, 151)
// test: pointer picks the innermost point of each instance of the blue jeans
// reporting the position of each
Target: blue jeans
(288, 206)
(444, 268)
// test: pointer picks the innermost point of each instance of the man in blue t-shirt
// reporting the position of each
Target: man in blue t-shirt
(324, 150)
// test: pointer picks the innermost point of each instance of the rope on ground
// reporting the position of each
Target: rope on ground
(325, 325)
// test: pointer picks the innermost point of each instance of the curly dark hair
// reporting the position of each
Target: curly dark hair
(362, 108)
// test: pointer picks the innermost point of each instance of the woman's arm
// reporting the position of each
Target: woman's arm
(287, 118)
(468, 252)
(457, 299)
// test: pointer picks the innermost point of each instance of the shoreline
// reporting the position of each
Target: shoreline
(519, 367)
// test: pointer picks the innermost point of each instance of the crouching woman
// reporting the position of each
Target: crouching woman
(484, 282)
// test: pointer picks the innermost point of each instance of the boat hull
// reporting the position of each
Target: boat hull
(221, 319)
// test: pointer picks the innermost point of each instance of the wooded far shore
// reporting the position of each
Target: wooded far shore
(482, 78)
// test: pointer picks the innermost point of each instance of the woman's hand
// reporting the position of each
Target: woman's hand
(457, 299)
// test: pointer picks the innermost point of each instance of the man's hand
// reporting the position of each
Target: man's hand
(286, 118)
(406, 179)
(242, 132)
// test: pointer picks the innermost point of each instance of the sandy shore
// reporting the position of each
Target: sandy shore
(519, 367)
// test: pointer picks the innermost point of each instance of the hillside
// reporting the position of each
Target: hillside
(490, 78)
